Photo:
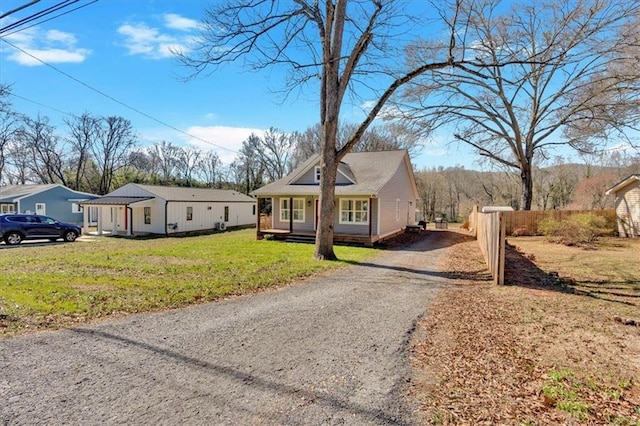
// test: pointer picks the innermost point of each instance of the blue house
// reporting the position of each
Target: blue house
(53, 200)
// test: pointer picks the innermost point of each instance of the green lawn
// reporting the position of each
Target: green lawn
(48, 286)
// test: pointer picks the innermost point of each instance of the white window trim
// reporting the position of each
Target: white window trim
(317, 174)
(8, 208)
(342, 222)
(283, 209)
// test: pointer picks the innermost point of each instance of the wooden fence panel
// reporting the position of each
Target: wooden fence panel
(490, 234)
(526, 222)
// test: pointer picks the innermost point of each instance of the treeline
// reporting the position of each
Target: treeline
(452, 192)
(98, 154)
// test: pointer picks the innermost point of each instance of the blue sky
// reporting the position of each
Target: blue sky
(122, 49)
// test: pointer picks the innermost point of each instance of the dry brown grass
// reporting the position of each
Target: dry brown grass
(544, 350)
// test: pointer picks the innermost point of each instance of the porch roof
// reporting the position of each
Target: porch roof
(115, 201)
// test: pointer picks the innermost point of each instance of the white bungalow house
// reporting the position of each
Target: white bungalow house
(376, 198)
(147, 209)
(627, 203)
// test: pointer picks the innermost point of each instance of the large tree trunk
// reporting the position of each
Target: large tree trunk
(325, 231)
(526, 177)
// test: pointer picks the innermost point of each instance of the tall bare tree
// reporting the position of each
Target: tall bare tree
(47, 158)
(83, 132)
(209, 169)
(342, 45)
(573, 87)
(115, 140)
(8, 127)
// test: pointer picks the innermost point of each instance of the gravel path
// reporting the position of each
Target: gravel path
(332, 350)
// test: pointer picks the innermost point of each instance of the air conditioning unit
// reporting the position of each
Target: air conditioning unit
(220, 226)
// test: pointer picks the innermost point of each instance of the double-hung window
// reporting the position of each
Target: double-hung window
(286, 210)
(354, 211)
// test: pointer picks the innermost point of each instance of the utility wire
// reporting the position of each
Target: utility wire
(19, 8)
(43, 105)
(116, 100)
(39, 14)
(47, 20)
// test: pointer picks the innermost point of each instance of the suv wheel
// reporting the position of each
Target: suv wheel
(70, 236)
(13, 238)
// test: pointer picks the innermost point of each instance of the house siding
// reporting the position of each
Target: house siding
(309, 215)
(56, 202)
(309, 178)
(207, 214)
(628, 210)
(398, 188)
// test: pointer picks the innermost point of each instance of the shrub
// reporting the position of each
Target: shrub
(519, 232)
(578, 229)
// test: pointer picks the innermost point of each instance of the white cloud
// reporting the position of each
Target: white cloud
(227, 137)
(52, 47)
(178, 22)
(158, 43)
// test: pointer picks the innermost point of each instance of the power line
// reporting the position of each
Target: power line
(47, 20)
(40, 14)
(116, 100)
(19, 8)
(44, 105)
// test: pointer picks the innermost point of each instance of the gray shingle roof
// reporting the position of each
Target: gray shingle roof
(9, 193)
(369, 170)
(175, 193)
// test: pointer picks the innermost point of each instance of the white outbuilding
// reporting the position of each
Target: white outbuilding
(147, 209)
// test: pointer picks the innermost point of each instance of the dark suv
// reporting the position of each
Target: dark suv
(17, 227)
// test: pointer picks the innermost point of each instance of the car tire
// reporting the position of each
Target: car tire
(70, 236)
(13, 238)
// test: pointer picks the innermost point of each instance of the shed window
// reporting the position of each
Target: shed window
(226, 213)
(317, 174)
(354, 211)
(76, 208)
(298, 209)
(147, 215)
(189, 213)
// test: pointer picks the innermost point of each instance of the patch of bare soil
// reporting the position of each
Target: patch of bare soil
(525, 353)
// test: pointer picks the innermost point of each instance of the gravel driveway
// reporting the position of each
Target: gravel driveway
(332, 350)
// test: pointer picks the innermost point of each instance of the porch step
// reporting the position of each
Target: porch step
(296, 238)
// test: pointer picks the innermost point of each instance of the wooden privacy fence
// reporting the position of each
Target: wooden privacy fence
(526, 222)
(489, 230)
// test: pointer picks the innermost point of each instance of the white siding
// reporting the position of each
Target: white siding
(628, 210)
(398, 188)
(207, 214)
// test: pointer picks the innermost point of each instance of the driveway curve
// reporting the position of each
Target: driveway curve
(331, 350)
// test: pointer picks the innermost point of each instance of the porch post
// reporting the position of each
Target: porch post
(99, 218)
(114, 214)
(259, 235)
(370, 218)
(290, 214)
(85, 220)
